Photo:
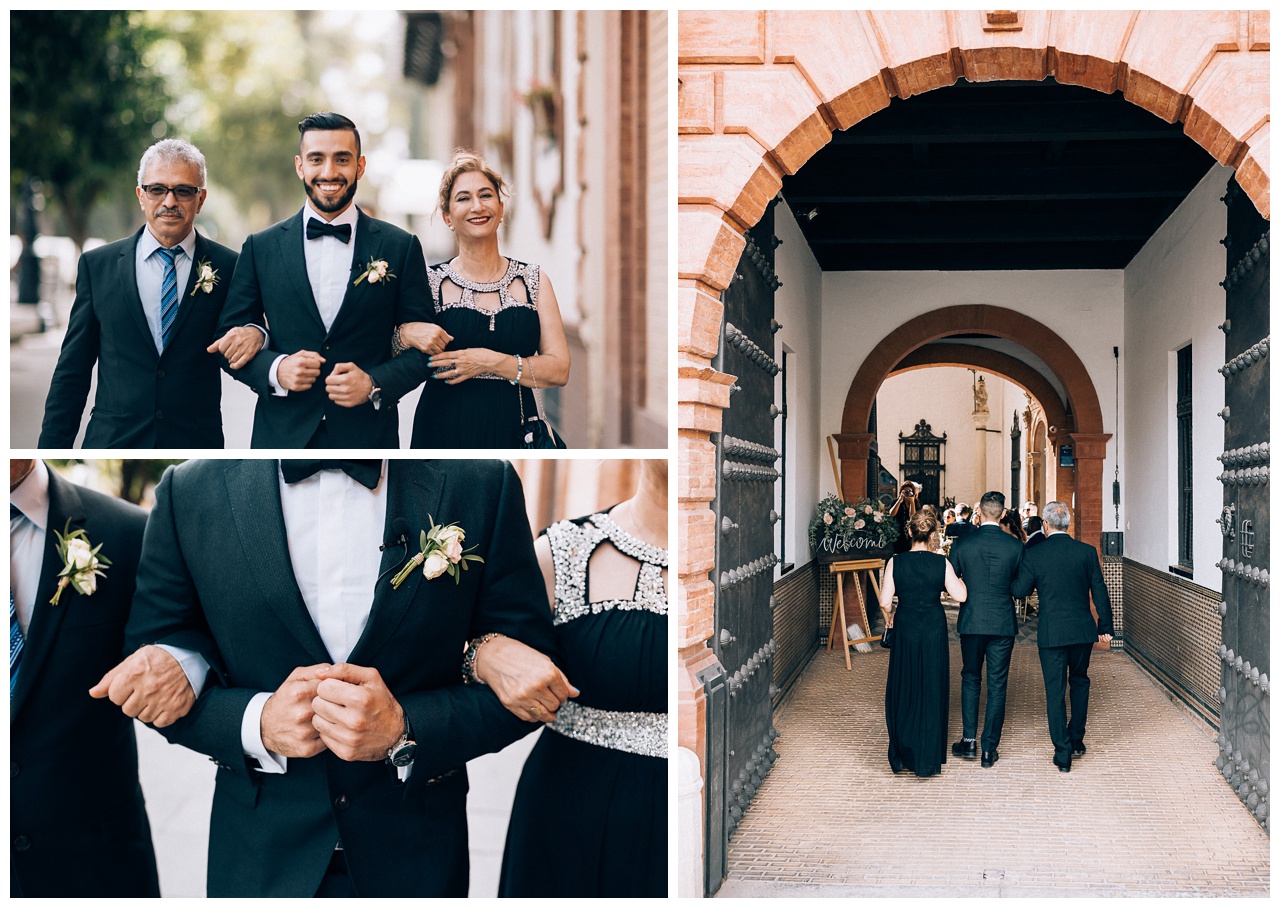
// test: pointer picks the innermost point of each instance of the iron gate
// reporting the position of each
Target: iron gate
(1244, 740)
(740, 730)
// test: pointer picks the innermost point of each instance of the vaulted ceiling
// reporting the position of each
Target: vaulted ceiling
(994, 176)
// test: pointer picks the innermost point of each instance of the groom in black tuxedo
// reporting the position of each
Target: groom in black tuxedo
(143, 315)
(77, 823)
(1066, 572)
(987, 561)
(272, 571)
(331, 284)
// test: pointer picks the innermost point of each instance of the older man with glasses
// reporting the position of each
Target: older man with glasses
(145, 313)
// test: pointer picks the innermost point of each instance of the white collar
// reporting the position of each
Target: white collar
(350, 216)
(148, 244)
(32, 495)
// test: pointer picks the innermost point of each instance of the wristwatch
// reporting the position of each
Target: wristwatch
(400, 754)
(375, 397)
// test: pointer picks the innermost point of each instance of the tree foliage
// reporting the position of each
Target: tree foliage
(82, 104)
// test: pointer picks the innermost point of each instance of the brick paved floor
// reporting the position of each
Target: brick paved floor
(1143, 813)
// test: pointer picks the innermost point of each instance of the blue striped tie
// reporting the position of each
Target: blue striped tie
(168, 291)
(15, 632)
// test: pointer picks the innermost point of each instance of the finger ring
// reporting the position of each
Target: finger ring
(535, 710)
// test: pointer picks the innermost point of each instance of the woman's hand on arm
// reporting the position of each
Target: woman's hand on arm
(955, 586)
(526, 681)
(425, 336)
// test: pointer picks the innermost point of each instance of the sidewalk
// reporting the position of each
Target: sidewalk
(1143, 813)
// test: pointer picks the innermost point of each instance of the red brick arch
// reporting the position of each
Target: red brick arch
(1081, 423)
(760, 91)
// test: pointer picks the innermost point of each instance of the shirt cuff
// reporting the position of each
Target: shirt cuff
(193, 665)
(251, 737)
(271, 377)
(266, 335)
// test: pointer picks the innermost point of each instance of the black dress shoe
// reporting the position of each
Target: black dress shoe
(1077, 749)
(1062, 767)
(966, 749)
(989, 758)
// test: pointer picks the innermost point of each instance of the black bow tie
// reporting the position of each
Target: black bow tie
(365, 472)
(318, 228)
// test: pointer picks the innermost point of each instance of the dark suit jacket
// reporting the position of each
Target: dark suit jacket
(271, 287)
(216, 565)
(959, 529)
(77, 824)
(1066, 571)
(1033, 540)
(987, 561)
(144, 399)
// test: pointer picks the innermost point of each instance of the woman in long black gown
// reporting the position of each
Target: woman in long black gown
(505, 334)
(917, 695)
(590, 814)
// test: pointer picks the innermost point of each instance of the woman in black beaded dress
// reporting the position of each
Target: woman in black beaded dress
(918, 692)
(501, 315)
(590, 814)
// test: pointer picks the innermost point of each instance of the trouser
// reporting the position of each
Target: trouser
(1063, 667)
(996, 650)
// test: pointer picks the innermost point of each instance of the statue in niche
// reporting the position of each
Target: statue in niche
(980, 396)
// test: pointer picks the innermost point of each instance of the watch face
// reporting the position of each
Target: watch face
(403, 755)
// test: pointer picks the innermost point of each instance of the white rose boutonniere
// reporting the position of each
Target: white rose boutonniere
(206, 277)
(82, 563)
(442, 553)
(376, 270)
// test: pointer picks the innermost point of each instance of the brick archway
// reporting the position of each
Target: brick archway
(1081, 423)
(761, 91)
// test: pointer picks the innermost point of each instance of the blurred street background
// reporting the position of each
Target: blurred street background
(178, 783)
(571, 106)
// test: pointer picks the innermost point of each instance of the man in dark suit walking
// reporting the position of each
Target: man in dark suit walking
(78, 826)
(961, 527)
(332, 284)
(987, 562)
(146, 311)
(335, 709)
(1066, 572)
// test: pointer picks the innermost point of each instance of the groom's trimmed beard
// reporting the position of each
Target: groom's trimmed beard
(338, 204)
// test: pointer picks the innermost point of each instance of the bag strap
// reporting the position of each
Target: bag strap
(537, 400)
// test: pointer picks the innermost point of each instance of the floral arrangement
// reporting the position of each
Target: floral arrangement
(376, 270)
(206, 277)
(442, 553)
(838, 526)
(82, 563)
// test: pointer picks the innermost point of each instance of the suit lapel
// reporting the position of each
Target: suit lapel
(290, 238)
(64, 505)
(368, 244)
(127, 272)
(415, 491)
(254, 493)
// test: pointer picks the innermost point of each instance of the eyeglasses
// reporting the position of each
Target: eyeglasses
(158, 191)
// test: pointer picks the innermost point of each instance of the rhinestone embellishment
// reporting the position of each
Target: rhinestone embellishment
(634, 733)
(528, 275)
(571, 548)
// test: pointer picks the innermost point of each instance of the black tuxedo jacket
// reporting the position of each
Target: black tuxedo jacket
(987, 561)
(144, 399)
(959, 530)
(271, 287)
(77, 824)
(1066, 572)
(216, 566)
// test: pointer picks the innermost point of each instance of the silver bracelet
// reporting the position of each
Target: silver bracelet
(519, 369)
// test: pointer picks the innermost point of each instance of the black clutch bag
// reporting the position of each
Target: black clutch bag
(536, 431)
(886, 638)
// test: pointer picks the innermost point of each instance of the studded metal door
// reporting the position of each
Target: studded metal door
(745, 558)
(1245, 734)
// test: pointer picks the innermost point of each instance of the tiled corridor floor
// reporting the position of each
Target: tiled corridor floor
(1143, 813)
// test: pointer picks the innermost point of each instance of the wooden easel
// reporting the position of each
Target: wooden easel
(871, 568)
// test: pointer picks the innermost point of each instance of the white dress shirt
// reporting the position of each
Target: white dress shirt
(26, 541)
(150, 271)
(334, 527)
(329, 263)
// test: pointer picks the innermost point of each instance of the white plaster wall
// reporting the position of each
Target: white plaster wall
(1172, 297)
(943, 397)
(1084, 308)
(798, 307)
